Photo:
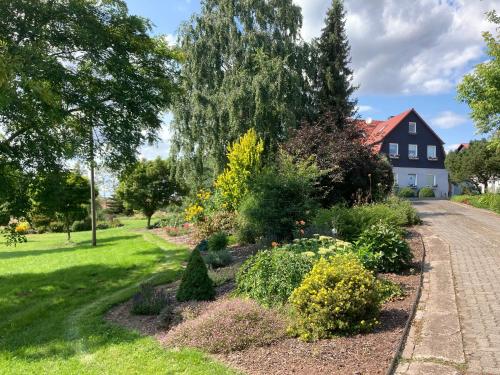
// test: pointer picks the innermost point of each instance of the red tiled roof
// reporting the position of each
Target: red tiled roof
(377, 130)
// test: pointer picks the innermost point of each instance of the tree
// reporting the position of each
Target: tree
(80, 78)
(334, 80)
(244, 67)
(347, 167)
(244, 161)
(63, 194)
(476, 164)
(481, 88)
(149, 186)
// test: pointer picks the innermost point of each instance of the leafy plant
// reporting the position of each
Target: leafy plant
(426, 192)
(387, 241)
(81, 225)
(215, 221)
(223, 275)
(217, 259)
(148, 301)
(270, 276)
(218, 241)
(406, 192)
(202, 246)
(195, 284)
(11, 235)
(389, 290)
(338, 296)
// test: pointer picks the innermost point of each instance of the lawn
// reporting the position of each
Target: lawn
(53, 297)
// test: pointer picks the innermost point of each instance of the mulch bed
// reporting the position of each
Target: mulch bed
(369, 353)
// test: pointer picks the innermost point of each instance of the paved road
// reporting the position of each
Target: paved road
(473, 237)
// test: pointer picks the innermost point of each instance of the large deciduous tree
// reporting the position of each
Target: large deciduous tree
(334, 78)
(62, 194)
(79, 78)
(149, 186)
(244, 67)
(476, 164)
(481, 88)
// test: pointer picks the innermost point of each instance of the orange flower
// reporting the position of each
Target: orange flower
(274, 244)
(302, 222)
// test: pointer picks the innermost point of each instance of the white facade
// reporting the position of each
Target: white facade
(436, 179)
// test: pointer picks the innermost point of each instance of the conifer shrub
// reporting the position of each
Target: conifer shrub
(195, 284)
(339, 296)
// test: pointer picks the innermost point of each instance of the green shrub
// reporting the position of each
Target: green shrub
(270, 276)
(426, 192)
(81, 225)
(388, 242)
(195, 284)
(39, 220)
(406, 192)
(350, 222)
(148, 301)
(223, 275)
(217, 259)
(230, 325)
(57, 227)
(202, 246)
(488, 201)
(218, 241)
(214, 222)
(338, 296)
(389, 290)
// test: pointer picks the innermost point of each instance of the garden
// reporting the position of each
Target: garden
(488, 201)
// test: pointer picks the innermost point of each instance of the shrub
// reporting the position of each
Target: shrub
(195, 284)
(407, 214)
(388, 242)
(406, 192)
(228, 326)
(280, 196)
(218, 241)
(389, 290)
(22, 227)
(102, 225)
(338, 296)
(270, 276)
(217, 221)
(57, 226)
(39, 220)
(217, 259)
(487, 201)
(202, 246)
(81, 225)
(426, 192)
(318, 244)
(167, 317)
(223, 275)
(148, 301)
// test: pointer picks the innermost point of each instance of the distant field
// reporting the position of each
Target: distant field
(53, 296)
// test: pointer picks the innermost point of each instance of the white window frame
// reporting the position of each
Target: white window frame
(396, 179)
(414, 125)
(433, 179)
(435, 152)
(392, 155)
(416, 151)
(416, 179)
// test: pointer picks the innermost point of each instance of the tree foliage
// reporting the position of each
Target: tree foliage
(476, 164)
(243, 68)
(244, 161)
(481, 88)
(348, 168)
(334, 80)
(62, 194)
(149, 186)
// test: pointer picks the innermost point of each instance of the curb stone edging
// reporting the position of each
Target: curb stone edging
(406, 330)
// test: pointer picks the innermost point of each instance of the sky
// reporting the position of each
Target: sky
(405, 54)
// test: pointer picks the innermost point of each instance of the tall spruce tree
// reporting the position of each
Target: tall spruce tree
(334, 78)
(244, 67)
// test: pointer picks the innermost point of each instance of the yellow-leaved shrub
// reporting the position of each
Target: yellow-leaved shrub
(338, 296)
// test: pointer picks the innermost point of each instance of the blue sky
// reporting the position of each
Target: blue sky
(405, 53)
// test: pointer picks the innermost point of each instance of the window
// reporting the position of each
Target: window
(431, 152)
(412, 179)
(393, 150)
(413, 151)
(430, 180)
(412, 127)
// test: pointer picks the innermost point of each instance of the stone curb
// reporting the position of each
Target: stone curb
(402, 342)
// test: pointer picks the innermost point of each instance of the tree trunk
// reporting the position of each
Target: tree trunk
(149, 221)
(92, 190)
(68, 229)
(485, 183)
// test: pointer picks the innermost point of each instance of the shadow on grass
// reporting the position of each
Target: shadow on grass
(56, 314)
(77, 246)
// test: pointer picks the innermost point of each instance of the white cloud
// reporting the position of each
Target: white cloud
(408, 46)
(171, 39)
(452, 147)
(448, 120)
(365, 108)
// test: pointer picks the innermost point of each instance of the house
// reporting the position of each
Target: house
(415, 151)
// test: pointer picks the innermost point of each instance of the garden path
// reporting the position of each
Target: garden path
(458, 316)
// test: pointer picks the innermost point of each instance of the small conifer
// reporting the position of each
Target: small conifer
(196, 285)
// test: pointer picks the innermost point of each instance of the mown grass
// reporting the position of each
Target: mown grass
(487, 201)
(53, 296)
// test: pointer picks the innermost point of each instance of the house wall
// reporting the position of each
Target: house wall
(422, 138)
(441, 191)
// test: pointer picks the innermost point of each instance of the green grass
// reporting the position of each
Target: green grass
(487, 201)
(53, 297)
